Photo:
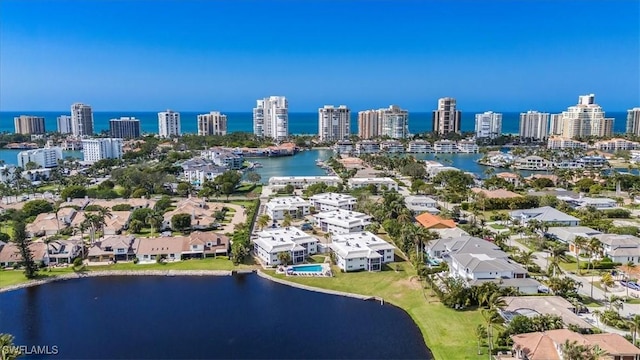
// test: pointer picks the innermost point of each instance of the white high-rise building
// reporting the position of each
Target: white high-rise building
(534, 125)
(334, 123)
(169, 124)
(633, 121)
(488, 125)
(103, 148)
(556, 124)
(46, 157)
(394, 122)
(271, 118)
(586, 119)
(81, 120)
(65, 125)
(213, 123)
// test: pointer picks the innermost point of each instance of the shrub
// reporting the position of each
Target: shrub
(77, 262)
(121, 207)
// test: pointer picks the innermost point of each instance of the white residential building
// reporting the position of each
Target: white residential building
(557, 143)
(467, 146)
(545, 215)
(534, 125)
(419, 147)
(295, 206)
(621, 248)
(419, 204)
(169, 124)
(488, 125)
(342, 221)
(392, 147)
(333, 201)
(533, 162)
(361, 251)
(302, 182)
(343, 147)
(213, 123)
(292, 240)
(586, 119)
(367, 147)
(394, 122)
(81, 120)
(224, 157)
(556, 124)
(102, 148)
(445, 146)
(64, 124)
(388, 183)
(616, 144)
(271, 118)
(46, 157)
(633, 121)
(334, 123)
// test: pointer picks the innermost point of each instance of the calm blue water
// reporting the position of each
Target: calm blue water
(299, 123)
(301, 164)
(307, 268)
(10, 156)
(240, 317)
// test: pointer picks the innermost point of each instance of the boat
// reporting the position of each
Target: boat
(257, 165)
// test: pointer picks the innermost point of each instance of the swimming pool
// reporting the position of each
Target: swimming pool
(306, 268)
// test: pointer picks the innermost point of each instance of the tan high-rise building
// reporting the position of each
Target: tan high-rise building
(446, 119)
(585, 119)
(213, 123)
(334, 123)
(28, 125)
(633, 121)
(369, 124)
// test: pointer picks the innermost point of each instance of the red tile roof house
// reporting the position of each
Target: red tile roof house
(10, 254)
(113, 248)
(196, 245)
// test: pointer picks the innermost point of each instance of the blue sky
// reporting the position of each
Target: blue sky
(222, 55)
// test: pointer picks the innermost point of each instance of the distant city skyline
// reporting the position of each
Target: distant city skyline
(488, 59)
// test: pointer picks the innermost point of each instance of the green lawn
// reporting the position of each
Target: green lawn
(498, 226)
(12, 277)
(447, 332)
(7, 227)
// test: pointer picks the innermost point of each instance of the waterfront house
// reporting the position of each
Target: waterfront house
(546, 215)
(224, 157)
(367, 147)
(567, 235)
(63, 251)
(45, 224)
(498, 159)
(430, 221)
(593, 161)
(533, 163)
(165, 248)
(548, 345)
(467, 146)
(341, 221)
(392, 147)
(113, 248)
(419, 204)
(361, 251)
(302, 182)
(511, 178)
(419, 147)
(10, 254)
(445, 146)
(295, 206)
(198, 170)
(271, 242)
(620, 248)
(204, 244)
(380, 183)
(542, 305)
(589, 202)
(616, 144)
(343, 147)
(332, 201)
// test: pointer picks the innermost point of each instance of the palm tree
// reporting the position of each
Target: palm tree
(490, 317)
(481, 333)
(596, 314)
(286, 222)
(9, 350)
(526, 257)
(263, 221)
(579, 243)
(154, 220)
(93, 222)
(634, 327)
(606, 281)
(48, 241)
(284, 257)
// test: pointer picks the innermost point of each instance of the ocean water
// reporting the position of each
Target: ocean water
(299, 123)
(229, 317)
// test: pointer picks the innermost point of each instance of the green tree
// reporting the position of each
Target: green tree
(20, 239)
(73, 192)
(263, 221)
(181, 222)
(36, 207)
(163, 204)
(579, 243)
(286, 222)
(184, 188)
(135, 226)
(253, 176)
(284, 257)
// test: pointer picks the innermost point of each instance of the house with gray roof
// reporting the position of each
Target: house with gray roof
(621, 248)
(546, 215)
(567, 234)
(421, 203)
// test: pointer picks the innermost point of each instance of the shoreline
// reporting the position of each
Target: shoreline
(80, 275)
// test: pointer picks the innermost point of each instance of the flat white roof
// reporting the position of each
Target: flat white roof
(282, 239)
(384, 180)
(318, 178)
(287, 203)
(344, 218)
(333, 198)
(357, 245)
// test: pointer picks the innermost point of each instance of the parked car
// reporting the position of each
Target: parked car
(306, 227)
(623, 283)
(633, 285)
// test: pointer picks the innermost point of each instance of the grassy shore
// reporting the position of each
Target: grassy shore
(14, 277)
(448, 333)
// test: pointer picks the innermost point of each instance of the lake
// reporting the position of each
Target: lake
(229, 317)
